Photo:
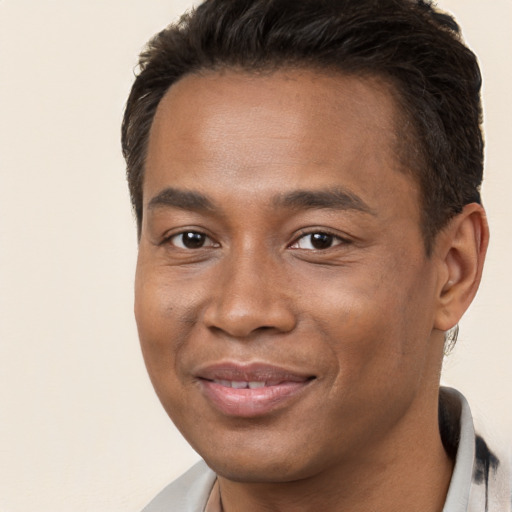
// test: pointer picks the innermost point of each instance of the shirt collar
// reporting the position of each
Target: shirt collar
(458, 434)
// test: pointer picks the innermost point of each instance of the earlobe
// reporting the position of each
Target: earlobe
(461, 249)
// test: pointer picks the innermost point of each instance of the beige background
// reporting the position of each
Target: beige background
(80, 427)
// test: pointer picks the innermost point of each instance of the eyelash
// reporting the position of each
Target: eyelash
(203, 237)
(333, 238)
(170, 238)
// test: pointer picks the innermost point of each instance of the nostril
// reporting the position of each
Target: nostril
(265, 328)
(238, 333)
(242, 315)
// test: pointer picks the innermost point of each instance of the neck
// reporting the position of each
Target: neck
(409, 470)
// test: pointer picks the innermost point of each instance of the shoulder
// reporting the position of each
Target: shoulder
(189, 493)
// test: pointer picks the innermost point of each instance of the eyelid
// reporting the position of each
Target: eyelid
(212, 243)
(342, 240)
(168, 237)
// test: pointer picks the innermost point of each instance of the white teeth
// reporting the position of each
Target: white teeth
(256, 384)
(238, 384)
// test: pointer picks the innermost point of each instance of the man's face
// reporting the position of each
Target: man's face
(284, 301)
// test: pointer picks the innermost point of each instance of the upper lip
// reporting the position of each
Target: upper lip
(252, 372)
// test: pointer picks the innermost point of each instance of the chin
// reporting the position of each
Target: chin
(263, 460)
(276, 471)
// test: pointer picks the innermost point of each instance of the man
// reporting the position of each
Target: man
(306, 179)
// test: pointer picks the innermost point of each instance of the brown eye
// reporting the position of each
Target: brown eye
(317, 241)
(191, 240)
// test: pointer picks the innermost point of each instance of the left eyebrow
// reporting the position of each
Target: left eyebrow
(335, 199)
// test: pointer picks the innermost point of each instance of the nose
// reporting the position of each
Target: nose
(249, 298)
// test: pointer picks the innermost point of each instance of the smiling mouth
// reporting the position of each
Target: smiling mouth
(251, 391)
(235, 384)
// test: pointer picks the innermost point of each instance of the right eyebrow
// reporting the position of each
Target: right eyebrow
(183, 199)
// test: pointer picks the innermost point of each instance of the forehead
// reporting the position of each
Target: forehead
(288, 128)
(197, 104)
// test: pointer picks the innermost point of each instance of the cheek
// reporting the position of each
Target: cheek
(160, 318)
(375, 319)
(161, 313)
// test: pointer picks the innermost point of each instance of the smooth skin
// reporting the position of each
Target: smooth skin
(280, 227)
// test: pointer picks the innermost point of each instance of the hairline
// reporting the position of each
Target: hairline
(405, 143)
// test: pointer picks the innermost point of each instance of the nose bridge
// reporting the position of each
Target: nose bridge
(250, 294)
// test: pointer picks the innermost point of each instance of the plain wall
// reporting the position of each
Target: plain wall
(80, 426)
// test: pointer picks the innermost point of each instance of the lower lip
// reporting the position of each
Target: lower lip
(249, 403)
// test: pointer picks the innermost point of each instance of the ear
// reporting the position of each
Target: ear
(460, 249)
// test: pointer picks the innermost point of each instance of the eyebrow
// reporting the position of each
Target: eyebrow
(335, 199)
(184, 199)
